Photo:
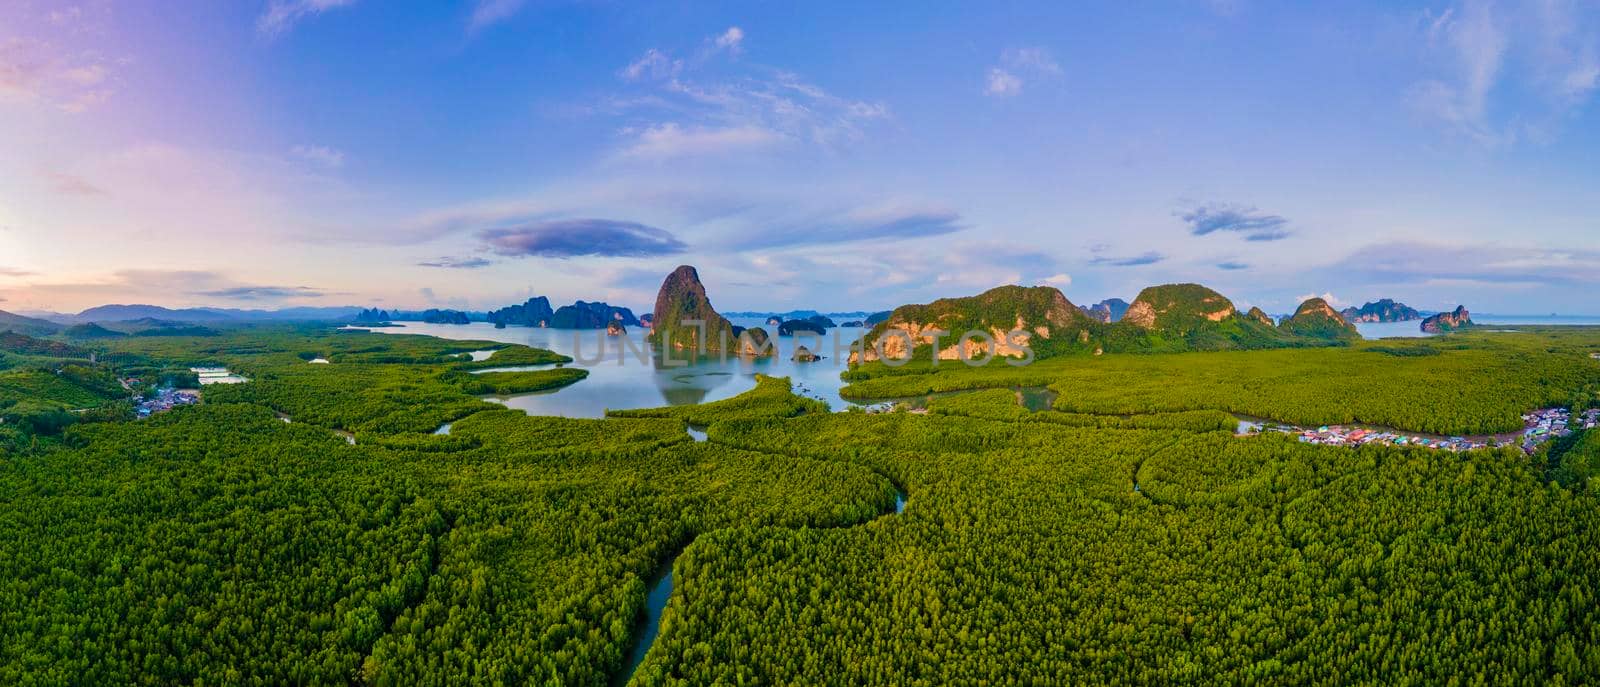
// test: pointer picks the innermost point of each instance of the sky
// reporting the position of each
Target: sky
(836, 156)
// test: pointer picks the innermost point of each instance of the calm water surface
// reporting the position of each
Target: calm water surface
(1388, 330)
(619, 380)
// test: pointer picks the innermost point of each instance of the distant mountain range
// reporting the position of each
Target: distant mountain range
(1108, 310)
(123, 313)
(27, 325)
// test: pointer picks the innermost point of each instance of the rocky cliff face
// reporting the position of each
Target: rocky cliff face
(1259, 315)
(536, 312)
(755, 343)
(1448, 321)
(683, 297)
(597, 315)
(1315, 318)
(1383, 310)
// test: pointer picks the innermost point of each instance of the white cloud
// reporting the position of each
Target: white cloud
(731, 40)
(1059, 280)
(1328, 296)
(492, 11)
(1003, 83)
(322, 155)
(670, 140)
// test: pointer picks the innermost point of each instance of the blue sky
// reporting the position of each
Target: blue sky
(837, 156)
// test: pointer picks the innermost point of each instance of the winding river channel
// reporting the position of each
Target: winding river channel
(660, 591)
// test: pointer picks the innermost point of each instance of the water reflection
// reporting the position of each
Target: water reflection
(623, 374)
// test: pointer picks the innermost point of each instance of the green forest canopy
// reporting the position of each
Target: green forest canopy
(219, 544)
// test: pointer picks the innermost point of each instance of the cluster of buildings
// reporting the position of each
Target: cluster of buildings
(1543, 425)
(165, 399)
(1539, 426)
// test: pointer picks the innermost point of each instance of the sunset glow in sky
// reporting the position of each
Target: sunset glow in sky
(836, 156)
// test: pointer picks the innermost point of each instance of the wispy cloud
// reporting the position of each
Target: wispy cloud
(171, 287)
(1328, 296)
(673, 112)
(488, 12)
(322, 155)
(259, 293)
(1248, 221)
(72, 185)
(1147, 258)
(860, 224)
(36, 71)
(571, 238)
(14, 272)
(1542, 55)
(1016, 64)
(282, 15)
(731, 41)
(671, 140)
(653, 64)
(449, 262)
(1413, 263)
(1002, 83)
(1232, 266)
(1478, 45)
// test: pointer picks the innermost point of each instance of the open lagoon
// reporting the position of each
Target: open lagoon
(620, 379)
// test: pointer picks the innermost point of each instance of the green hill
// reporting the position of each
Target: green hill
(22, 344)
(1049, 322)
(91, 330)
(1318, 320)
(1178, 308)
(1173, 318)
(1169, 318)
(32, 326)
